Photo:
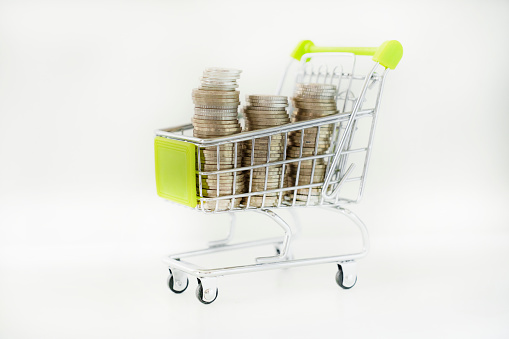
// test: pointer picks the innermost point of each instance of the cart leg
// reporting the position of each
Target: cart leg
(206, 292)
(296, 222)
(357, 221)
(285, 246)
(229, 237)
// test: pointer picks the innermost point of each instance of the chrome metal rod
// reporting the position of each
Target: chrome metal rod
(283, 253)
(344, 137)
(229, 237)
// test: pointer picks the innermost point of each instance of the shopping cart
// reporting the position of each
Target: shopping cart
(179, 171)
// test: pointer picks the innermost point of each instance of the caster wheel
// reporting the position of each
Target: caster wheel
(340, 279)
(171, 284)
(199, 294)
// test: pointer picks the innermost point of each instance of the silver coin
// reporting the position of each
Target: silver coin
(216, 110)
(212, 135)
(330, 101)
(219, 88)
(316, 86)
(201, 100)
(315, 106)
(228, 154)
(267, 118)
(248, 116)
(264, 104)
(217, 128)
(213, 118)
(264, 108)
(220, 124)
(267, 97)
(297, 118)
(215, 106)
(198, 91)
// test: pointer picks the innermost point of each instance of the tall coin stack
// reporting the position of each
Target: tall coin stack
(310, 101)
(216, 115)
(264, 111)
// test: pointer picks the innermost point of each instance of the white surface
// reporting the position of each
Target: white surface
(84, 84)
(410, 286)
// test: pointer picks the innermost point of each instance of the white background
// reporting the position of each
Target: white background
(83, 84)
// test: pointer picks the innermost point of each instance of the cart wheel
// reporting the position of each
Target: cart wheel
(171, 284)
(199, 294)
(340, 279)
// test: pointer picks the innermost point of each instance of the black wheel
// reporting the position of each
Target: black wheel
(171, 283)
(199, 294)
(339, 279)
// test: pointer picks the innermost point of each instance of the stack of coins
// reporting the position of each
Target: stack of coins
(264, 111)
(310, 101)
(216, 115)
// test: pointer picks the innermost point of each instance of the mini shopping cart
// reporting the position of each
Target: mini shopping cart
(359, 93)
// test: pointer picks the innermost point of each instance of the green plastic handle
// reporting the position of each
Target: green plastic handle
(388, 54)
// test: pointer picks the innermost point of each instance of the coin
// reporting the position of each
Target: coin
(215, 132)
(222, 191)
(213, 152)
(222, 185)
(201, 92)
(216, 114)
(306, 111)
(214, 118)
(316, 86)
(267, 97)
(271, 120)
(240, 180)
(223, 126)
(264, 109)
(219, 205)
(315, 96)
(266, 104)
(258, 147)
(306, 117)
(222, 176)
(264, 114)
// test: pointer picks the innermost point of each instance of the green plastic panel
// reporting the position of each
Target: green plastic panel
(175, 171)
